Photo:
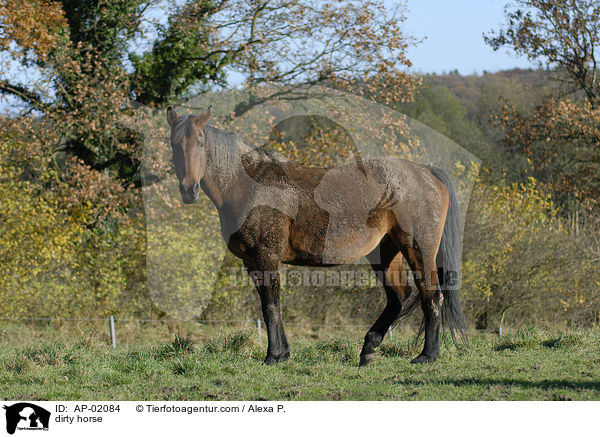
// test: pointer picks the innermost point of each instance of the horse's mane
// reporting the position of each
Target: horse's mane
(225, 151)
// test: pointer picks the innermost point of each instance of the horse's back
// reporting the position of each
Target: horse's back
(345, 215)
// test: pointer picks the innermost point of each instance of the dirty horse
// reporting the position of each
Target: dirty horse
(273, 210)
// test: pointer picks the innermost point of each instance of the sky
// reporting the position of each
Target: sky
(453, 30)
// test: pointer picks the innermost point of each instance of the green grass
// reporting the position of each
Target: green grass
(204, 363)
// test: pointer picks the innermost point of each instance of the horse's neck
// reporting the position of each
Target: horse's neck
(234, 167)
(223, 169)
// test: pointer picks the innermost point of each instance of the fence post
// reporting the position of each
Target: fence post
(259, 329)
(390, 332)
(500, 331)
(111, 325)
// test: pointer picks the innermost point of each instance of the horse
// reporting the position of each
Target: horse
(275, 211)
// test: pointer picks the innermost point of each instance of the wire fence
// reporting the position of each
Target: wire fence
(112, 321)
(197, 321)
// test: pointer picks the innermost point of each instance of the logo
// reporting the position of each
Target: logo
(26, 416)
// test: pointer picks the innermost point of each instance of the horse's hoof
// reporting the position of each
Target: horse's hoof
(270, 360)
(284, 357)
(366, 359)
(423, 359)
(277, 359)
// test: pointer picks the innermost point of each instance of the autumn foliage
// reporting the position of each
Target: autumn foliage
(561, 140)
(73, 235)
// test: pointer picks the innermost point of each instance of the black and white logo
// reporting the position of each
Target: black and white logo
(26, 416)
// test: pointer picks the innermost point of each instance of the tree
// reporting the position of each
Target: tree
(560, 135)
(89, 56)
(559, 33)
(520, 265)
(560, 139)
(70, 151)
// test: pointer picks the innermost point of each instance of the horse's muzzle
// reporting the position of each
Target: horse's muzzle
(190, 193)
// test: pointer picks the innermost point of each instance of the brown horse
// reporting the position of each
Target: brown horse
(273, 211)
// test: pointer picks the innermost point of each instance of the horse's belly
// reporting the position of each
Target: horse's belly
(345, 248)
(332, 247)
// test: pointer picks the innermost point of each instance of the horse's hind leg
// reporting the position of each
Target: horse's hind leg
(386, 261)
(422, 263)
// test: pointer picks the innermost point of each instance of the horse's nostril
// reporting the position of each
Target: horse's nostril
(189, 192)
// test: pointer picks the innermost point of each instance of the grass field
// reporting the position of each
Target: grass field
(208, 363)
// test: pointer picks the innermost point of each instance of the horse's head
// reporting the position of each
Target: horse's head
(189, 154)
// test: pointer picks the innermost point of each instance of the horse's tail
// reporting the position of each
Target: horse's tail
(448, 262)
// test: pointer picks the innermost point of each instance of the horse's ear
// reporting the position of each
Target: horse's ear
(171, 116)
(203, 118)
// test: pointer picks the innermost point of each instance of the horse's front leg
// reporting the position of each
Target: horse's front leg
(266, 278)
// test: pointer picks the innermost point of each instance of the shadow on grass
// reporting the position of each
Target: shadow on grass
(546, 384)
(563, 341)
